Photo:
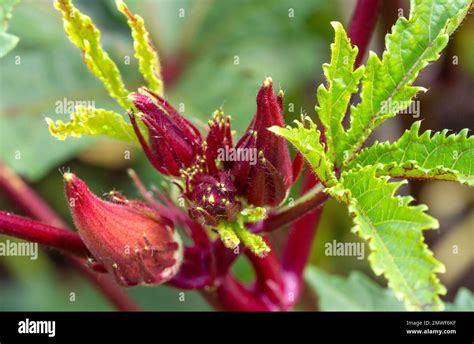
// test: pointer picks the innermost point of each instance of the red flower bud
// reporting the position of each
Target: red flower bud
(174, 142)
(265, 183)
(213, 198)
(218, 137)
(129, 238)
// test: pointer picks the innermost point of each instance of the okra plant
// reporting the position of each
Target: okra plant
(225, 205)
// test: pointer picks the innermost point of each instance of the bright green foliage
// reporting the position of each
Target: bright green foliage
(393, 230)
(342, 82)
(307, 141)
(93, 122)
(7, 40)
(391, 226)
(82, 32)
(148, 61)
(412, 44)
(439, 156)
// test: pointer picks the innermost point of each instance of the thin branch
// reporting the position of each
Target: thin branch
(26, 198)
(311, 200)
(31, 230)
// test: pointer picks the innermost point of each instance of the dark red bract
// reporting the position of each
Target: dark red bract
(174, 143)
(267, 182)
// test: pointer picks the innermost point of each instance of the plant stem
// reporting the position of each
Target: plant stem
(269, 283)
(298, 246)
(233, 296)
(362, 25)
(24, 228)
(27, 199)
(310, 201)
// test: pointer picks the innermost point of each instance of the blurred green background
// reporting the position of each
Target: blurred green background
(287, 39)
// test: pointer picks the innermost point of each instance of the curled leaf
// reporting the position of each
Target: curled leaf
(145, 52)
(93, 122)
(83, 33)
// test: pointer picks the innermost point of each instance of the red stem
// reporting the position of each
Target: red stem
(269, 283)
(362, 25)
(281, 219)
(233, 296)
(27, 199)
(24, 228)
(298, 245)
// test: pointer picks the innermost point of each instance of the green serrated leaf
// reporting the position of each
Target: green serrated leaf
(357, 292)
(82, 32)
(307, 141)
(426, 156)
(412, 44)
(333, 98)
(145, 52)
(93, 122)
(393, 230)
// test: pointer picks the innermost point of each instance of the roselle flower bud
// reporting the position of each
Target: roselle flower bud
(266, 182)
(218, 138)
(129, 238)
(213, 198)
(174, 142)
